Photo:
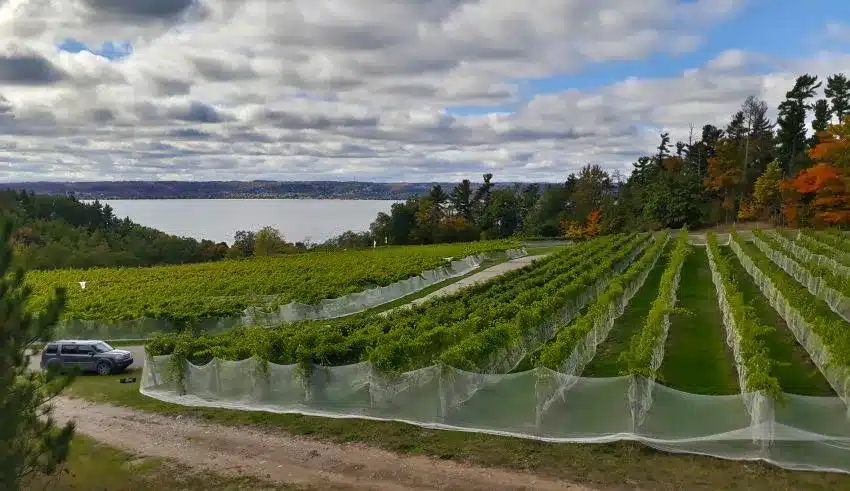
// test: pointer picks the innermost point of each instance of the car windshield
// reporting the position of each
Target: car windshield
(102, 347)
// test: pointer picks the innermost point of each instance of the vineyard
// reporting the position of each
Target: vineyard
(188, 293)
(733, 345)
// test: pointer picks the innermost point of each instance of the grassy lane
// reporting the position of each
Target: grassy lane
(604, 364)
(796, 372)
(696, 357)
(92, 465)
(622, 465)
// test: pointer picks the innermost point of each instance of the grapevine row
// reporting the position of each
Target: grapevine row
(485, 351)
(347, 340)
(426, 338)
(819, 280)
(825, 336)
(806, 251)
(817, 247)
(226, 288)
(575, 336)
(751, 354)
(838, 241)
(646, 348)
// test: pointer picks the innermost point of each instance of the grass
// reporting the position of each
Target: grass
(92, 466)
(619, 465)
(696, 357)
(605, 363)
(796, 372)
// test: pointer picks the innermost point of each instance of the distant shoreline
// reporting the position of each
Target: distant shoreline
(230, 190)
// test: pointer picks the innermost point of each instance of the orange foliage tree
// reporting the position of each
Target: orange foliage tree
(820, 195)
(586, 230)
(725, 173)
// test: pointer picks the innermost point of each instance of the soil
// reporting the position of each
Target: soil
(281, 459)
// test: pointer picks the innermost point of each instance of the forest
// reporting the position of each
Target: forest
(52, 232)
(783, 172)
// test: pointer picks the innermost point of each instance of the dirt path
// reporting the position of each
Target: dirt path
(479, 277)
(283, 459)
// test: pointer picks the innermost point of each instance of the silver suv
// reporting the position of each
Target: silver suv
(86, 356)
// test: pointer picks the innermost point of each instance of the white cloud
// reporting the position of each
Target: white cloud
(306, 89)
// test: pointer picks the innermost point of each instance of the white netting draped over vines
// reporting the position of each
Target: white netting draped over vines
(838, 377)
(816, 285)
(805, 255)
(758, 404)
(804, 433)
(354, 303)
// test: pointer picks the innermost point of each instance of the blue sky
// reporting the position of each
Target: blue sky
(777, 29)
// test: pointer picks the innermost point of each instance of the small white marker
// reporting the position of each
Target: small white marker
(83, 285)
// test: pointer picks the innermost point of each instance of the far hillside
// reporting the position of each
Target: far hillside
(51, 232)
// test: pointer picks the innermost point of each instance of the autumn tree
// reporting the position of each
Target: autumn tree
(824, 197)
(767, 195)
(725, 173)
(827, 184)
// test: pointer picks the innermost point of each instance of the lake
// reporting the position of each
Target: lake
(314, 220)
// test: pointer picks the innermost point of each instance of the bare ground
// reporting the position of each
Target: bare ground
(283, 459)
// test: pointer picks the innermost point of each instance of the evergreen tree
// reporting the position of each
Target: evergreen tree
(31, 442)
(838, 92)
(461, 200)
(821, 121)
(792, 124)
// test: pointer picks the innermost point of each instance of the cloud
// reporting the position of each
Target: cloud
(312, 89)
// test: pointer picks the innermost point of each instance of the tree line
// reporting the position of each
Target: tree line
(51, 232)
(781, 172)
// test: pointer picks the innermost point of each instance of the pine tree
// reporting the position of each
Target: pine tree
(461, 200)
(792, 124)
(838, 92)
(821, 121)
(31, 442)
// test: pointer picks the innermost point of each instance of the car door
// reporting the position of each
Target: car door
(68, 355)
(85, 357)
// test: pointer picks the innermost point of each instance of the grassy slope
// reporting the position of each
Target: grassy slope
(92, 465)
(619, 465)
(604, 364)
(696, 358)
(796, 372)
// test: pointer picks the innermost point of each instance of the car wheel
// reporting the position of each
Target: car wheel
(103, 368)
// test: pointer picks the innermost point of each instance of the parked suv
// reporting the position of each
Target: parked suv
(86, 356)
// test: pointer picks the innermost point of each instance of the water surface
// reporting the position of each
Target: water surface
(313, 220)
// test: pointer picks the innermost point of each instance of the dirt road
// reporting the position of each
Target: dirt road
(283, 459)
(479, 277)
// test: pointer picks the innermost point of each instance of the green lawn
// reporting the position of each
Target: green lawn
(93, 466)
(618, 465)
(796, 372)
(605, 364)
(696, 357)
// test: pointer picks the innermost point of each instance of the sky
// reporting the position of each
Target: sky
(385, 90)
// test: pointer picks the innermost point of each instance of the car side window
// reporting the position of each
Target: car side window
(69, 349)
(50, 349)
(84, 350)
